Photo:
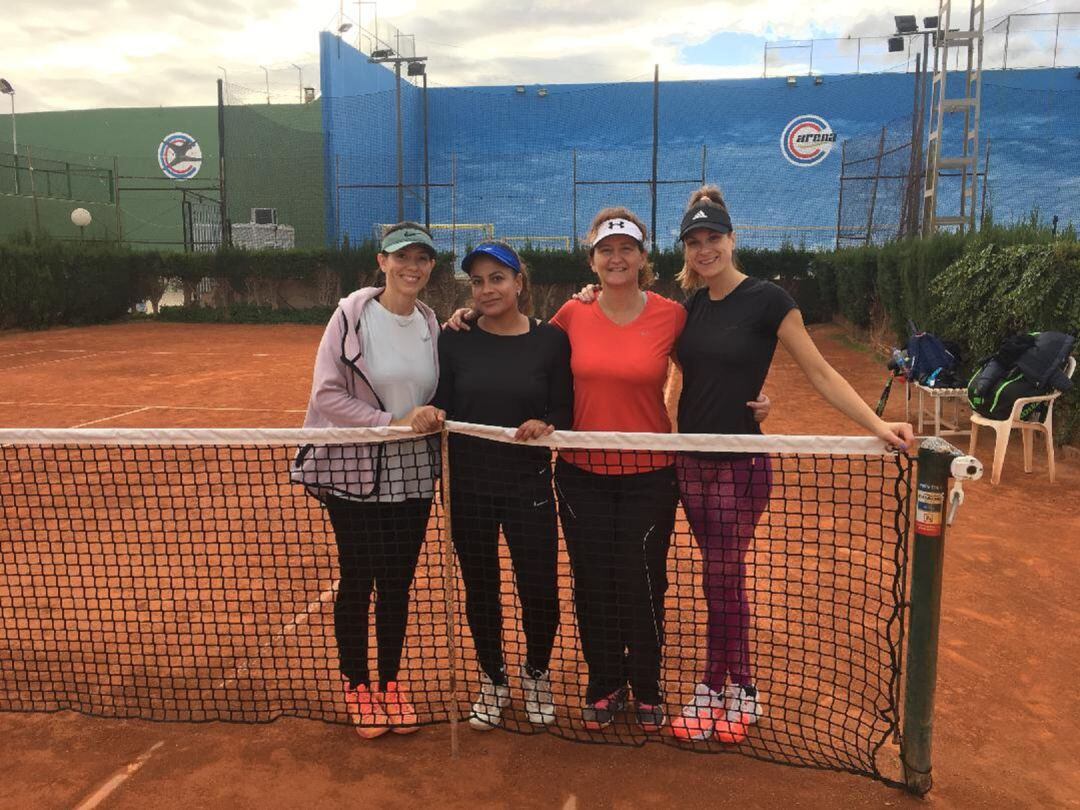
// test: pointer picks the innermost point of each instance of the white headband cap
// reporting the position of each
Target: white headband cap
(618, 227)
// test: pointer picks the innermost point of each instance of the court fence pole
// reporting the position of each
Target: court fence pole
(935, 460)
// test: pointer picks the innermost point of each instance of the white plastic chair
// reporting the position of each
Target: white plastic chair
(1003, 429)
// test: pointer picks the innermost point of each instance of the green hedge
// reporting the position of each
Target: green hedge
(47, 283)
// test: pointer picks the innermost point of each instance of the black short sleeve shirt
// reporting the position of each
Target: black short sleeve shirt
(725, 352)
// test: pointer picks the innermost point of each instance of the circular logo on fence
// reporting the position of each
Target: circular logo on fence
(179, 156)
(807, 140)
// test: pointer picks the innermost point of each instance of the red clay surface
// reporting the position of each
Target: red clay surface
(1008, 714)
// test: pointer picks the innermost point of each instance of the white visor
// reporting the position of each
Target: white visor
(618, 227)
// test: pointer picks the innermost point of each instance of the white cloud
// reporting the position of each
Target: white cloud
(61, 55)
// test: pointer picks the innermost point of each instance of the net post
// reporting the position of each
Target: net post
(935, 459)
(448, 589)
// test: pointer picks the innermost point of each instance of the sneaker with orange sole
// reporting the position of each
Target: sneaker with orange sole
(698, 720)
(367, 714)
(400, 712)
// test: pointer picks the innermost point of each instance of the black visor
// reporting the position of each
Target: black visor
(705, 215)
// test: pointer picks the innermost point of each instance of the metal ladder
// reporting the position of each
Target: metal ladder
(970, 42)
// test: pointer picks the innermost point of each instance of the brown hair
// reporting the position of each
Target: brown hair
(524, 302)
(646, 277)
(709, 196)
(400, 226)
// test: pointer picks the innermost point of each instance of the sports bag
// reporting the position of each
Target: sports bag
(1024, 366)
(931, 363)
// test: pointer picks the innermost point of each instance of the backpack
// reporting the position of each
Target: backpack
(932, 364)
(1023, 366)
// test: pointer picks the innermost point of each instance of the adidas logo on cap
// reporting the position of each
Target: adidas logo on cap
(701, 215)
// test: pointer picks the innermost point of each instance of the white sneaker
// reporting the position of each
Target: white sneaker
(539, 705)
(697, 721)
(487, 710)
(742, 704)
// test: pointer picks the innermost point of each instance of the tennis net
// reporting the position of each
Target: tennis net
(716, 593)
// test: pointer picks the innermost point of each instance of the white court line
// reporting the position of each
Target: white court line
(23, 354)
(117, 779)
(39, 351)
(114, 416)
(288, 629)
(147, 407)
(48, 362)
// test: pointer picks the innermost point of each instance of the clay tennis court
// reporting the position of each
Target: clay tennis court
(1006, 718)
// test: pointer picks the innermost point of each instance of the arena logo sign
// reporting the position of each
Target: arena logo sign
(807, 140)
(179, 156)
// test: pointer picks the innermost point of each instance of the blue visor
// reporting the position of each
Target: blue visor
(500, 253)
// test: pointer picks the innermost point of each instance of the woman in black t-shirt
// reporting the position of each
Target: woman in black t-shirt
(725, 351)
(513, 371)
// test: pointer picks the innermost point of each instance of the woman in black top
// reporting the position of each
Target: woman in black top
(733, 324)
(513, 371)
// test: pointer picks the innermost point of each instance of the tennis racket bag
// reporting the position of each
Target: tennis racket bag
(1024, 366)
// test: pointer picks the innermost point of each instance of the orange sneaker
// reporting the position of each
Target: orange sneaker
(730, 732)
(400, 712)
(367, 714)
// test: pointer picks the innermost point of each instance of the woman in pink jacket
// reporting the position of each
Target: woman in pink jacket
(377, 365)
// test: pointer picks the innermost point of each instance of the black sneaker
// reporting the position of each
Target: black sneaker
(599, 715)
(651, 717)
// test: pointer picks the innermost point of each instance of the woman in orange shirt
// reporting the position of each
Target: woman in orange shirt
(618, 507)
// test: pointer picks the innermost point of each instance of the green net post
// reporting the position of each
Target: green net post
(935, 460)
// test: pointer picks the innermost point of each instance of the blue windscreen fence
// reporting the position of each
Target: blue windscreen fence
(533, 164)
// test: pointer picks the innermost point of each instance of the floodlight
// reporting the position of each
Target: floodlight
(542, 92)
(416, 69)
(382, 53)
(519, 89)
(929, 22)
(905, 24)
(344, 27)
(819, 80)
(791, 81)
(896, 44)
(6, 88)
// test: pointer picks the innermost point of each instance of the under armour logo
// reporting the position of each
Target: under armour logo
(617, 223)
(700, 215)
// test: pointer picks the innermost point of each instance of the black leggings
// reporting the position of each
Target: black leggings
(618, 530)
(529, 525)
(378, 548)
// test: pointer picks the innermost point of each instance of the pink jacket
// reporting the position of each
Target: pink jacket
(341, 396)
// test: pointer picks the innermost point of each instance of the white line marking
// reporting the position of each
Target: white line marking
(107, 418)
(297, 620)
(146, 407)
(49, 362)
(117, 779)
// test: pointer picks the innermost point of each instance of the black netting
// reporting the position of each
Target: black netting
(717, 602)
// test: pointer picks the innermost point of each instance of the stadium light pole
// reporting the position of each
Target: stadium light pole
(266, 71)
(8, 90)
(382, 56)
(300, 80)
(341, 30)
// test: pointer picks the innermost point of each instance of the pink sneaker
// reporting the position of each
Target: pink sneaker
(365, 711)
(401, 713)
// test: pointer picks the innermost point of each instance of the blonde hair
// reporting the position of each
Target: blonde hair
(711, 197)
(646, 277)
